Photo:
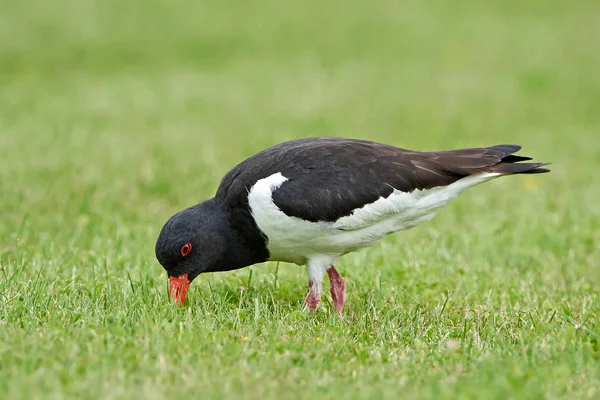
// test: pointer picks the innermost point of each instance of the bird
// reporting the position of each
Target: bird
(310, 201)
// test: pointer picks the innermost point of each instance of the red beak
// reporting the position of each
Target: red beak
(178, 287)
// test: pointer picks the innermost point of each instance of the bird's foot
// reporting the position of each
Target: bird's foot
(338, 289)
(314, 297)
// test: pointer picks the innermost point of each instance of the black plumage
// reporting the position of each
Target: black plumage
(329, 177)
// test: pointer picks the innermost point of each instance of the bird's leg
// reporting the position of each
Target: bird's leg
(315, 272)
(314, 296)
(338, 289)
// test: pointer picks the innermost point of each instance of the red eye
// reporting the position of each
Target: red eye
(186, 249)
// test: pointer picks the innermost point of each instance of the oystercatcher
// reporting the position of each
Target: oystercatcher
(310, 201)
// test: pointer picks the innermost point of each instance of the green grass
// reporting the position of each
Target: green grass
(116, 114)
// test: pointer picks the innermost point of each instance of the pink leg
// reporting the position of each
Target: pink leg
(314, 296)
(338, 289)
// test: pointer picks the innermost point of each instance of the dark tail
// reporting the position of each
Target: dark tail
(512, 164)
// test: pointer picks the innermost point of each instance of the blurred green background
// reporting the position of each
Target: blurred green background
(116, 114)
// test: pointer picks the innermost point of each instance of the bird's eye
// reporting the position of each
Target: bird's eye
(186, 249)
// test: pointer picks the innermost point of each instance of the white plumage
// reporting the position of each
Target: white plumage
(319, 244)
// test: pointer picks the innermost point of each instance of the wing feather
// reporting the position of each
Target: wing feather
(329, 177)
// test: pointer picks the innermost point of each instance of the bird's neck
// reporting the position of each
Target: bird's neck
(247, 245)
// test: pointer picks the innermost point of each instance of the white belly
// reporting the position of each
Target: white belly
(292, 239)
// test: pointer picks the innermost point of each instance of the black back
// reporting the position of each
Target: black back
(329, 177)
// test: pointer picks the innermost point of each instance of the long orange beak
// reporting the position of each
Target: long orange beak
(178, 287)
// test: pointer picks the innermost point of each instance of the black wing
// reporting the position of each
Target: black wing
(330, 177)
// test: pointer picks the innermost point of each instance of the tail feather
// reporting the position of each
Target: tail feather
(525, 168)
(514, 159)
(496, 159)
(511, 164)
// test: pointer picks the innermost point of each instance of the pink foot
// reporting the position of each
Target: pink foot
(314, 297)
(338, 289)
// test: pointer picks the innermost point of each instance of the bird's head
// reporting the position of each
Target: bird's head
(191, 242)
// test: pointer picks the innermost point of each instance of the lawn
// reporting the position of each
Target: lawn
(116, 114)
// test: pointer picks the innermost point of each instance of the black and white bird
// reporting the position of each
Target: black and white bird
(310, 201)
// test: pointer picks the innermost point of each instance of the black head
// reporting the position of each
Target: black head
(193, 241)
